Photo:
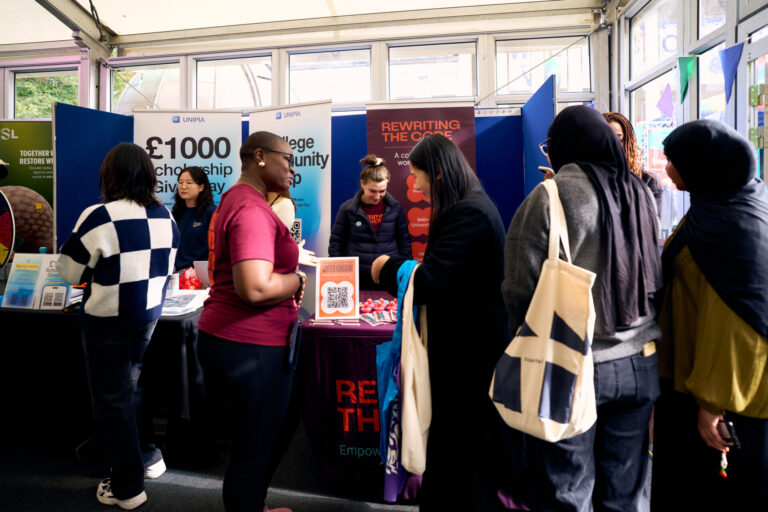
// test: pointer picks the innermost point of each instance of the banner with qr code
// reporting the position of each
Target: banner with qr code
(33, 283)
(337, 288)
(306, 128)
(392, 131)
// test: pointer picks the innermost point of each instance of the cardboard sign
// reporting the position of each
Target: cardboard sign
(337, 288)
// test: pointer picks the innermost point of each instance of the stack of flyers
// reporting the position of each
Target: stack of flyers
(375, 318)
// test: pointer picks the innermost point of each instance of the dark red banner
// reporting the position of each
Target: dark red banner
(391, 135)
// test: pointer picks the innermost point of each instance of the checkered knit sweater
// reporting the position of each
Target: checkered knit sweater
(125, 252)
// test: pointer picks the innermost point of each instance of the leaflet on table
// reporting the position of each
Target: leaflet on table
(34, 283)
(183, 302)
(337, 288)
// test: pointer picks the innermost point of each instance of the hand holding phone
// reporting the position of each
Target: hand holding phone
(728, 433)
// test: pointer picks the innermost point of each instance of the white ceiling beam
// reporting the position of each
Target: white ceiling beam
(71, 14)
(38, 49)
(361, 21)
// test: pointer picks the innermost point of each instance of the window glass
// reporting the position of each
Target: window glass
(525, 57)
(756, 36)
(234, 83)
(711, 85)
(711, 16)
(36, 92)
(433, 71)
(653, 119)
(653, 35)
(343, 76)
(155, 86)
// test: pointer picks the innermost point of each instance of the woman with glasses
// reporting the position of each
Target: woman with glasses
(246, 324)
(458, 281)
(371, 223)
(612, 232)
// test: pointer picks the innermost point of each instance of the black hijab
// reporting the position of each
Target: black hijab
(726, 227)
(629, 251)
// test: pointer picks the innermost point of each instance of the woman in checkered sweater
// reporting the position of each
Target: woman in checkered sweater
(124, 250)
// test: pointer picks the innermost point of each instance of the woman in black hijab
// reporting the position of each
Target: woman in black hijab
(714, 319)
(612, 231)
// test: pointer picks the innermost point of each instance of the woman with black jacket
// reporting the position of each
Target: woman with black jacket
(371, 223)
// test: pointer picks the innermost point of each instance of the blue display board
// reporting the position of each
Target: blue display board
(499, 143)
(83, 137)
(538, 114)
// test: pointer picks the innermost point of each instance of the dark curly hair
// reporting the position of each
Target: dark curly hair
(634, 156)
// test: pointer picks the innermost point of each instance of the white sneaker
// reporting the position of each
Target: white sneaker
(155, 470)
(105, 496)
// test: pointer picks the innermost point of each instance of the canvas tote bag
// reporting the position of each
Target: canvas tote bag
(415, 389)
(543, 384)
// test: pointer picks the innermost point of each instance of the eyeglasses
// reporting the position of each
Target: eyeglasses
(290, 160)
(544, 147)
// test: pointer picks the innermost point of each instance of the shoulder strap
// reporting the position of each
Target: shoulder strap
(558, 228)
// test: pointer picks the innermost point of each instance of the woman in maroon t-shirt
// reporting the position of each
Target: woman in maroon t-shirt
(245, 327)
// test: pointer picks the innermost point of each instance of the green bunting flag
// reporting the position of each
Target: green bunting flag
(686, 65)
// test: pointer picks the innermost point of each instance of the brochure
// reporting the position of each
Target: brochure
(34, 283)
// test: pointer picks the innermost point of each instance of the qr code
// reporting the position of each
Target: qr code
(296, 230)
(338, 297)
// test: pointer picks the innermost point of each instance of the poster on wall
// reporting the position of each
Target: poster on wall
(394, 129)
(307, 129)
(27, 148)
(175, 140)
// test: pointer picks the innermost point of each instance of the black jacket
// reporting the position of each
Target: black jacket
(352, 235)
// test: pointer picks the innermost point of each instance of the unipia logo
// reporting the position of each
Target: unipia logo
(176, 119)
(278, 115)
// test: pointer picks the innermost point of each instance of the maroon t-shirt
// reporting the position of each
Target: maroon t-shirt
(374, 212)
(245, 228)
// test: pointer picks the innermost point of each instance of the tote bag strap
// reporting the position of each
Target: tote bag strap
(558, 228)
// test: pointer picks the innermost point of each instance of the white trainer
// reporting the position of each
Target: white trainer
(155, 470)
(105, 496)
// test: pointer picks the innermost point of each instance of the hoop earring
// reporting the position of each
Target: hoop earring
(262, 164)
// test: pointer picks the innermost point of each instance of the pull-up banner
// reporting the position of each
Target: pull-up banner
(175, 140)
(394, 130)
(306, 128)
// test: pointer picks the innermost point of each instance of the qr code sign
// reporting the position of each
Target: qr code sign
(296, 230)
(338, 297)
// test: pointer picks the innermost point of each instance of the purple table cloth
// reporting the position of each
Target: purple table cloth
(337, 384)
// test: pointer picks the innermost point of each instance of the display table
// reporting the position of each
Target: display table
(44, 384)
(338, 396)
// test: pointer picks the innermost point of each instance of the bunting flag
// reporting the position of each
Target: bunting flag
(666, 105)
(730, 60)
(686, 65)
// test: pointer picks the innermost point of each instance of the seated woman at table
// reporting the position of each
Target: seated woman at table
(459, 282)
(246, 324)
(371, 223)
(124, 250)
(193, 208)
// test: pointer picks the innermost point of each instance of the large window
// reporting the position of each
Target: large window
(433, 71)
(343, 76)
(234, 83)
(536, 59)
(653, 35)
(711, 16)
(36, 92)
(711, 85)
(154, 86)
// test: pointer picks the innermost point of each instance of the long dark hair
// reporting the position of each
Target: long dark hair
(451, 179)
(204, 199)
(631, 148)
(127, 173)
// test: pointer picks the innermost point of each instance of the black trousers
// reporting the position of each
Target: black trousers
(255, 383)
(686, 471)
(605, 467)
(114, 359)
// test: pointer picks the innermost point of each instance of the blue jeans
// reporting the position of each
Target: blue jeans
(255, 382)
(607, 465)
(113, 359)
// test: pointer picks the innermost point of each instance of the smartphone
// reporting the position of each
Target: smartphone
(728, 433)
